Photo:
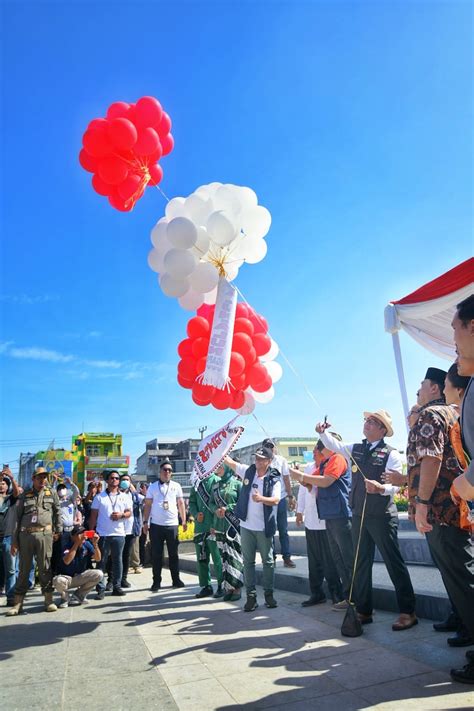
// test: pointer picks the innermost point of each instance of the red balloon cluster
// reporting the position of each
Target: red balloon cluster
(123, 150)
(250, 340)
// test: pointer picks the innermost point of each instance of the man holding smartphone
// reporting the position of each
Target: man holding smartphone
(74, 572)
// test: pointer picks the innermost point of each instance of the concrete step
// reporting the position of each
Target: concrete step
(431, 599)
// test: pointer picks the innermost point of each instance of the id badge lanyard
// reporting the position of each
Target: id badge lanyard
(165, 497)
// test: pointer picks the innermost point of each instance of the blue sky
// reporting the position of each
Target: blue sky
(352, 121)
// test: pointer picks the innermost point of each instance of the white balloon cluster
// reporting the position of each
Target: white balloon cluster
(209, 234)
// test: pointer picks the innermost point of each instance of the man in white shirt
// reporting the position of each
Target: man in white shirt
(369, 460)
(256, 509)
(109, 511)
(287, 501)
(164, 501)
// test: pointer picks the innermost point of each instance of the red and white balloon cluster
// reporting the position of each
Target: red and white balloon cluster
(252, 371)
(123, 150)
(209, 234)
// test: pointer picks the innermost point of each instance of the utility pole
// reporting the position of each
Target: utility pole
(202, 430)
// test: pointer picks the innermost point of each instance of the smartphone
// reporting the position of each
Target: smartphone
(89, 534)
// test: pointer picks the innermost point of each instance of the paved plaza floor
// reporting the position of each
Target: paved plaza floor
(170, 651)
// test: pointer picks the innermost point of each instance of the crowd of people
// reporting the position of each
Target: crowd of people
(345, 502)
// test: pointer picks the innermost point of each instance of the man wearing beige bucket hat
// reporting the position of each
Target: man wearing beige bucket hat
(369, 460)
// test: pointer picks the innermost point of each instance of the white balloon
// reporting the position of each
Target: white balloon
(155, 260)
(175, 208)
(191, 300)
(232, 269)
(226, 198)
(158, 233)
(202, 243)
(198, 208)
(275, 371)
(173, 287)
(256, 221)
(179, 263)
(249, 404)
(272, 353)
(256, 251)
(248, 198)
(221, 228)
(204, 277)
(211, 297)
(263, 398)
(212, 187)
(182, 232)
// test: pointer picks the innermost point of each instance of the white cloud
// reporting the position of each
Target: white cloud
(26, 300)
(103, 363)
(35, 353)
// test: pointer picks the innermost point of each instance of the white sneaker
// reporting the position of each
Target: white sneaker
(64, 602)
(75, 601)
(342, 605)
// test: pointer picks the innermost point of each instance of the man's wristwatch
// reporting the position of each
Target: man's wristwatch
(426, 502)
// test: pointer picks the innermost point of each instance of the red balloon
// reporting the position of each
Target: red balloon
(155, 156)
(101, 187)
(241, 311)
(119, 204)
(238, 399)
(237, 364)
(147, 142)
(119, 109)
(164, 125)
(113, 170)
(221, 399)
(242, 343)
(122, 134)
(96, 141)
(156, 174)
(148, 111)
(185, 382)
(99, 123)
(265, 385)
(198, 327)
(239, 381)
(167, 143)
(201, 365)
(187, 368)
(203, 394)
(87, 161)
(260, 324)
(262, 343)
(206, 311)
(251, 357)
(185, 348)
(243, 325)
(200, 347)
(131, 187)
(257, 374)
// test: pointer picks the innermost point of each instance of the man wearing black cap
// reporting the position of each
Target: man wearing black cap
(432, 468)
(287, 500)
(74, 572)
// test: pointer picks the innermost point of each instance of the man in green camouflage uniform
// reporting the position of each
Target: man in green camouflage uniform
(38, 523)
(205, 541)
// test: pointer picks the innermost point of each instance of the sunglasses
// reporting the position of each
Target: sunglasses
(113, 478)
(166, 470)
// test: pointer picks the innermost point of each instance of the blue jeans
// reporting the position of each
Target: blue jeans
(113, 546)
(282, 525)
(8, 561)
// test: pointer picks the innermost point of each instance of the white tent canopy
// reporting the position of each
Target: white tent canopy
(426, 315)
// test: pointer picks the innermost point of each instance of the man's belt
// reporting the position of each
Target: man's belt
(35, 529)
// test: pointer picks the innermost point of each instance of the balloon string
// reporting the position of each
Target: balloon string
(161, 191)
(285, 358)
(260, 425)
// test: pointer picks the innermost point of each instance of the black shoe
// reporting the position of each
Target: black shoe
(118, 591)
(109, 586)
(100, 595)
(155, 588)
(470, 655)
(205, 592)
(126, 584)
(251, 603)
(461, 639)
(313, 600)
(270, 600)
(450, 624)
(465, 675)
(219, 592)
(178, 584)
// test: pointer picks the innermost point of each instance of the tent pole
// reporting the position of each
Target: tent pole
(401, 376)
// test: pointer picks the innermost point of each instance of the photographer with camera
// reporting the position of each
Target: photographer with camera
(74, 568)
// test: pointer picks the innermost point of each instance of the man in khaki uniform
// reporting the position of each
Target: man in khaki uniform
(38, 523)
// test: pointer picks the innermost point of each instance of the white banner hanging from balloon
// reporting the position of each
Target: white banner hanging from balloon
(220, 345)
(213, 449)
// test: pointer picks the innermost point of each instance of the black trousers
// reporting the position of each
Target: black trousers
(453, 552)
(158, 536)
(321, 565)
(340, 543)
(380, 531)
